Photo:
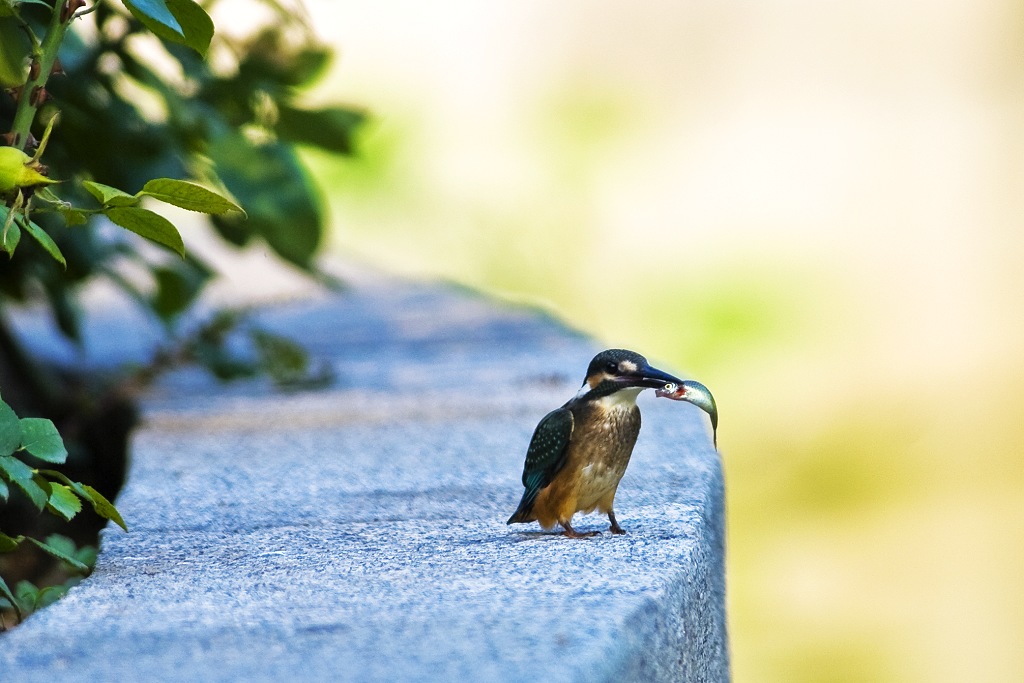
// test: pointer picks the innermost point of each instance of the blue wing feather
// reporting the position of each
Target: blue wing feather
(545, 457)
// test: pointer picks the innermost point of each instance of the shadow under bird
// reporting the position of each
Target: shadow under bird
(579, 452)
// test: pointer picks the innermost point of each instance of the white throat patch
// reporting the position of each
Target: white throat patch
(623, 399)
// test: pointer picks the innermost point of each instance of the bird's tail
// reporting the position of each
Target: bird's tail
(524, 513)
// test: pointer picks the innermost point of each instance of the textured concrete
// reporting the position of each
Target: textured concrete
(357, 533)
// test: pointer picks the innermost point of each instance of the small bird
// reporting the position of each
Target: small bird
(580, 451)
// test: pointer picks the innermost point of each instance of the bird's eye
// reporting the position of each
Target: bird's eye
(613, 368)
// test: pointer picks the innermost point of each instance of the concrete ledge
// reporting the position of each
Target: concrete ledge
(357, 534)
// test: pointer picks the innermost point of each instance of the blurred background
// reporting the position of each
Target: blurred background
(814, 208)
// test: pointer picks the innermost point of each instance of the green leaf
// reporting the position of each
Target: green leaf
(49, 595)
(5, 492)
(41, 485)
(6, 592)
(177, 287)
(59, 554)
(285, 361)
(9, 543)
(155, 16)
(11, 234)
(72, 216)
(195, 22)
(61, 543)
(63, 502)
(178, 21)
(87, 555)
(45, 241)
(27, 593)
(145, 223)
(67, 310)
(109, 196)
(188, 196)
(40, 437)
(22, 476)
(103, 507)
(14, 48)
(10, 430)
(278, 198)
(14, 470)
(33, 598)
(331, 129)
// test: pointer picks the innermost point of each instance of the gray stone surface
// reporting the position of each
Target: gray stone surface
(357, 533)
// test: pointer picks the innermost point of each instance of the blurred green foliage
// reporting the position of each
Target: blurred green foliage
(124, 121)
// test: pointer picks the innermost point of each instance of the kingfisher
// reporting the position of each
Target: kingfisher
(579, 452)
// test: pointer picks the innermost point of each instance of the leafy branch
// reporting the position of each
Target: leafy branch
(22, 177)
(47, 489)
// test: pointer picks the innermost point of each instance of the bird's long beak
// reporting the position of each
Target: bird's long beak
(698, 394)
(649, 378)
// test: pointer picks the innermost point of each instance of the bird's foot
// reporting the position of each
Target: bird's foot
(572, 533)
(615, 528)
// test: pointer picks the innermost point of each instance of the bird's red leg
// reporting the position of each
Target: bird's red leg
(572, 533)
(616, 529)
